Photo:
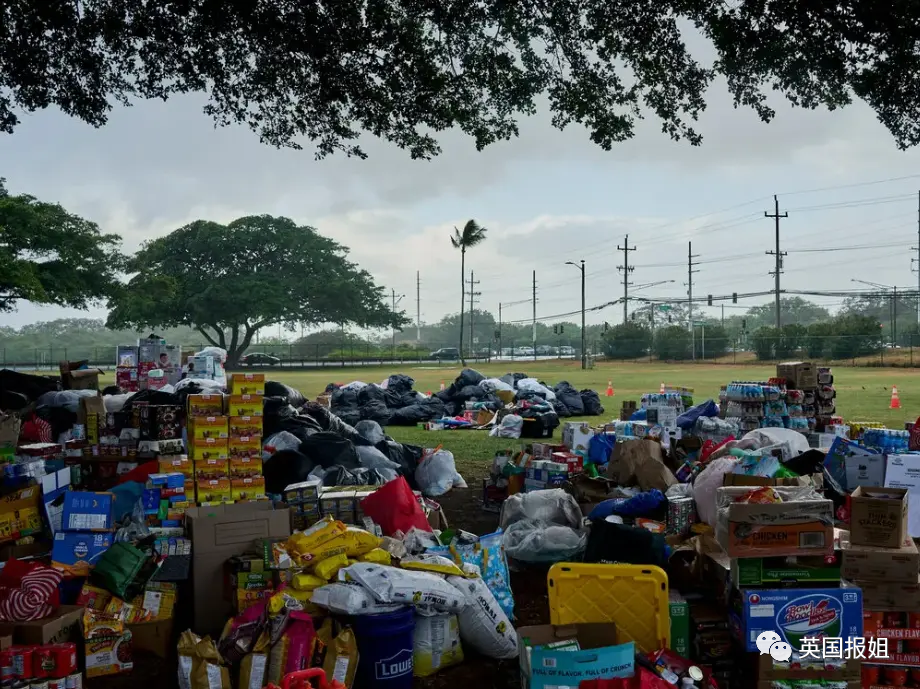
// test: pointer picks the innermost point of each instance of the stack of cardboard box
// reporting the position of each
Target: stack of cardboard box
(87, 531)
(247, 392)
(881, 559)
(209, 448)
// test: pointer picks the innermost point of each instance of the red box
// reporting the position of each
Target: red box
(575, 463)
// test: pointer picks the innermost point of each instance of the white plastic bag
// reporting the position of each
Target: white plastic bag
(436, 643)
(397, 586)
(551, 506)
(372, 458)
(483, 624)
(510, 427)
(536, 541)
(437, 473)
(534, 385)
(349, 599)
(704, 487)
(495, 384)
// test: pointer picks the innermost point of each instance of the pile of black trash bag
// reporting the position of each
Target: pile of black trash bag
(396, 404)
(467, 388)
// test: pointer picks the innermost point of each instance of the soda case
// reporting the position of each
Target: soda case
(902, 666)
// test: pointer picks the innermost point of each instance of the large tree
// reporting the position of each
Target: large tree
(403, 69)
(50, 256)
(228, 281)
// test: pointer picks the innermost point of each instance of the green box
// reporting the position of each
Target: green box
(679, 611)
(770, 571)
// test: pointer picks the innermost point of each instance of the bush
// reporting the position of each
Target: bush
(717, 341)
(672, 343)
(763, 341)
(627, 341)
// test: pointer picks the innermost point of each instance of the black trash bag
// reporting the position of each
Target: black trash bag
(340, 476)
(152, 398)
(610, 543)
(344, 404)
(31, 386)
(513, 378)
(376, 410)
(570, 397)
(406, 456)
(432, 408)
(371, 393)
(529, 396)
(466, 393)
(560, 408)
(592, 403)
(286, 392)
(451, 409)
(284, 468)
(469, 376)
(331, 422)
(331, 387)
(111, 390)
(400, 383)
(328, 450)
(447, 394)
(13, 401)
(489, 402)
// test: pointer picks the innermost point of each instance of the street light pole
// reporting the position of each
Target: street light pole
(584, 355)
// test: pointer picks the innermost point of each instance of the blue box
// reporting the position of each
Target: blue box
(798, 613)
(88, 511)
(173, 479)
(151, 498)
(76, 553)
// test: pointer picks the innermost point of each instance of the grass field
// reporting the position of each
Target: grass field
(862, 394)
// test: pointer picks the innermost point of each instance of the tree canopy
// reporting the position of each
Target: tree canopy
(50, 256)
(404, 70)
(228, 281)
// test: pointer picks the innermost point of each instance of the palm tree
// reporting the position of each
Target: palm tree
(471, 235)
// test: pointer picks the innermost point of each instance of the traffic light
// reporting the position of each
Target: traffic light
(561, 329)
(734, 297)
(634, 315)
(744, 323)
(669, 318)
(498, 334)
(710, 299)
(606, 326)
(555, 330)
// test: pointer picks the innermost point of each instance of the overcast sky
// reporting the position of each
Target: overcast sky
(546, 197)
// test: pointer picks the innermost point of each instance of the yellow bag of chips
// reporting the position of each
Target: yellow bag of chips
(328, 568)
(307, 582)
(432, 563)
(307, 544)
(378, 556)
(358, 541)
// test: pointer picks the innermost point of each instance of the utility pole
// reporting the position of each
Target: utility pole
(473, 295)
(690, 272)
(723, 315)
(776, 215)
(499, 330)
(626, 269)
(418, 306)
(917, 260)
(396, 300)
(533, 336)
(584, 351)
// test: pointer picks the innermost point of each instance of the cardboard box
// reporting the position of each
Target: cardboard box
(213, 490)
(800, 375)
(205, 427)
(797, 613)
(205, 405)
(887, 596)
(246, 426)
(242, 467)
(816, 480)
(768, 670)
(109, 655)
(868, 563)
(576, 436)
(878, 517)
(792, 527)
(21, 514)
(245, 447)
(679, 611)
(77, 553)
(63, 626)
(209, 449)
(589, 636)
(784, 571)
(219, 533)
(250, 488)
(247, 384)
(84, 511)
(181, 465)
(212, 468)
(245, 405)
(153, 637)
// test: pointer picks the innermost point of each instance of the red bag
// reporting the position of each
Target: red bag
(394, 508)
(913, 440)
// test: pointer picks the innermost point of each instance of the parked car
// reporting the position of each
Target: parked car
(256, 359)
(546, 350)
(445, 353)
(565, 350)
(523, 351)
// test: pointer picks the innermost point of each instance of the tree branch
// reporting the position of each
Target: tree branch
(206, 336)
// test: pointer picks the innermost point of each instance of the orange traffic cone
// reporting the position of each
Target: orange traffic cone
(895, 400)
(609, 388)
(661, 389)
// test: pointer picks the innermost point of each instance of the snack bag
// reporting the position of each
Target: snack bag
(291, 652)
(254, 666)
(307, 582)
(431, 563)
(358, 541)
(308, 544)
(378, 556)
(335, 649)
(208, 673)
(329, 567)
